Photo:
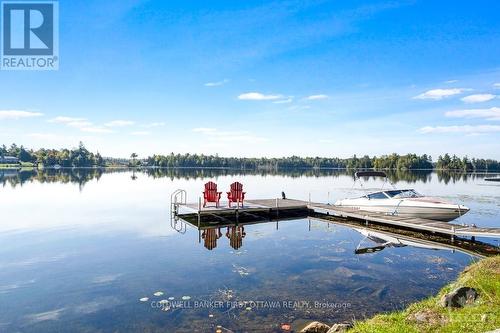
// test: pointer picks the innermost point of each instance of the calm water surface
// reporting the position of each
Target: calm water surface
(79, 249)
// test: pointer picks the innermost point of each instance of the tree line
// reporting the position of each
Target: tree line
(81, 157)
(385, 162)
(76, 157)
(454, 162)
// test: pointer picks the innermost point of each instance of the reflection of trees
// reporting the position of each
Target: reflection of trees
(414, 176)
(195, 173)
(81, 176)
(456, 176)
(74, 176)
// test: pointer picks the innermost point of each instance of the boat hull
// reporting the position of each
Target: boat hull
(425, 210)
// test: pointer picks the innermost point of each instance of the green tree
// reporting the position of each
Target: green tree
(133, 156)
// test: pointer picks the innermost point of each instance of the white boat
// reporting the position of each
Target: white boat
(403, 202)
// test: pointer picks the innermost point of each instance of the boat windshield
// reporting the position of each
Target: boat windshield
(398, 194)
(377, 195)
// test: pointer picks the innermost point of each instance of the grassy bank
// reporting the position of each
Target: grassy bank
(482, 316)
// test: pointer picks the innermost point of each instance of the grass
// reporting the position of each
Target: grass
(482, 316)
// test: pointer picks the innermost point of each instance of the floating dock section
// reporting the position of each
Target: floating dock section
(269, 209)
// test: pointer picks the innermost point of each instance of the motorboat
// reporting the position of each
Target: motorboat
(402, 202)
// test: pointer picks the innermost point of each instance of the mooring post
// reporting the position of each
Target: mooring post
(277, 208)
(199, 211)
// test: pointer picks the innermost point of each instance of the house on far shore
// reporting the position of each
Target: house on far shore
(9, 160)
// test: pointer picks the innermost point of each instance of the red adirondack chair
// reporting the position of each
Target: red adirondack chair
(236, 194)
(210, 194)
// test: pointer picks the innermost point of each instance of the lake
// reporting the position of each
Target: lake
(93, 250)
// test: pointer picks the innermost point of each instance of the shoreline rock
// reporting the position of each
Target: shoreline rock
(459, 297)
(318, 327)
(340, 328)
(315, 327)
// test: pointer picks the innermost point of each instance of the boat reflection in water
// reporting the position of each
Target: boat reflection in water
(384, 240)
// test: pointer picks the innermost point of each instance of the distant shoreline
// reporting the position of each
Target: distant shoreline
(122, 167)
(82, 157)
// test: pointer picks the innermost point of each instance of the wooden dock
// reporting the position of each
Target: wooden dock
(288, 208)
(249, 206)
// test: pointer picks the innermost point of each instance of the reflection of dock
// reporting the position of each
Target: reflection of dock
(258, 210)
(389, 237)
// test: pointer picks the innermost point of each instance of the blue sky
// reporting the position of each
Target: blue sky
(255, 78)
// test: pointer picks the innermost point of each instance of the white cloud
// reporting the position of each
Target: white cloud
(205, 130)
(71, 121)
(317, 97)
(467, 129)
(496, 85)
(44, 316)
(489, 114)
(107, 278)
(65, 120)
(451, 81)
(326, 141)
(155, 124)
(217, 83)
(80, 124)
(284, 101)
(119, 123)
(141, 133)
(18, 114)
(299, 107)
(96, 129)
(255, 96)
(438, 94)
(43, 136)
(478, 98)
(229, 136)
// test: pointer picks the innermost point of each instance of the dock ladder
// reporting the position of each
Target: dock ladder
(177, 198)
